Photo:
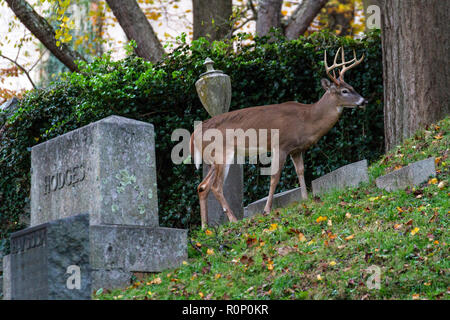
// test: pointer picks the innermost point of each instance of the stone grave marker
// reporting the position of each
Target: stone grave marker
(107, 169)
(280, 200)
(51, 261)
(411, 175)
(350, 175)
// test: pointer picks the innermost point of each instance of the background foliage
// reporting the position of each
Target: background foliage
(262, 72)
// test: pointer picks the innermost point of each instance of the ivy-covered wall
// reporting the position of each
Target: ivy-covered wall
(164, 94)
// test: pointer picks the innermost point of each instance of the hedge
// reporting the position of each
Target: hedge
(262, 72)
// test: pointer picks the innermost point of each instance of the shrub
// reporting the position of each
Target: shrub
(164, 94)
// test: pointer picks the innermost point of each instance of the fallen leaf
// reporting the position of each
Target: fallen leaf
(348, 215)
(332, 263)
(397, 226)
(301, 237)
(208, 232)
(414, 231)
(433, 181)
(350, 237)
(415, 296)
(320, 219)
(210, 251)
(273, 227)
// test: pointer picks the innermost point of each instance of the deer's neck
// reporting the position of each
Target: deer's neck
(325, 113)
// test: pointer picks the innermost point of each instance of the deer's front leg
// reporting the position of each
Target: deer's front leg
(276, 168)
(297, 159)
(203, 191)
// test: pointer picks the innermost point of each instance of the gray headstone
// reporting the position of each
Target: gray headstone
(233, 191)
(280, 200)
(411, 175)
(106, 168)
(47, 260)
(350, 175)
(7, 277)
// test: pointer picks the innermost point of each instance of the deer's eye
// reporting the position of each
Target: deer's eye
(345, 91)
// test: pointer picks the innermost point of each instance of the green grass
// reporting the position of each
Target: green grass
(322, 248)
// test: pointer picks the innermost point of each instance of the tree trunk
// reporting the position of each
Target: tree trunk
(416, 73)
(269, 16)
(136, 27)
(302, 17)
(212, 19)
(42, 30)
(342, 20)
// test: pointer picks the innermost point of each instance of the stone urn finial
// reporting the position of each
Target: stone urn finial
(214, 89)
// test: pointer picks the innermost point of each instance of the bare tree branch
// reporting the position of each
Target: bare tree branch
(42, 30)
(302, 17)
(21, 68)
(136, 26)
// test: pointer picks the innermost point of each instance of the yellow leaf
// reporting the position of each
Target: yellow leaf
(415, 296)
(270, 265)
(332, 263)
(273, 227)
(198, 244)
(167, 35)
(348, 215)
(319, 277)
(399, 209)
(414, 231)
(284, 12)
(210, 251)
(185, 262)
(208, 232)
(433, 181)
(397, 226)
(149, 293)
(329, 223)
(374, 198)
(438, 137)
(320, 219)
(156, 281)
(218, 276)
(301, 237)
(350, 237)
(201, 294)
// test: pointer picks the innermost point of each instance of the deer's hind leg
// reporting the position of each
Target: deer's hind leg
(203, 190)
(217, 189)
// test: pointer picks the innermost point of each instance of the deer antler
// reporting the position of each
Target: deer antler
(343, 64)
(346, 68)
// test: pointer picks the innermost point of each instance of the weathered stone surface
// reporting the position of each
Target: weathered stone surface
(131, 248)
(106, 168)
(110, 278)
(350, 175)
(233, 190)
(7, 277)
(214, 90)
(280, 200)
(41, 256)
(411, 175)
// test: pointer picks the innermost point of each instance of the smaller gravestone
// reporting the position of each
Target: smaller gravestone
(409, 176)
(350, 175)
(51, 261)
(280, 200)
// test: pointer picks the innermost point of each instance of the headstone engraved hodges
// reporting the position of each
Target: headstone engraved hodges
(108, 170)
(41, 255)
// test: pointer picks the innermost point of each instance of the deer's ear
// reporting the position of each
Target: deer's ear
(326, 84)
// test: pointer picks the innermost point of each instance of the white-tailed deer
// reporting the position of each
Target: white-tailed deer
(300, 126)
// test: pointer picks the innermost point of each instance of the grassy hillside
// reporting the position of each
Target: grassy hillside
(323, 248)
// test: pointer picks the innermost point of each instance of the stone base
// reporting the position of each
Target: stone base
(119, 251)
(411, 175)
(280, 200)
(350, 175)
(233, 190)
